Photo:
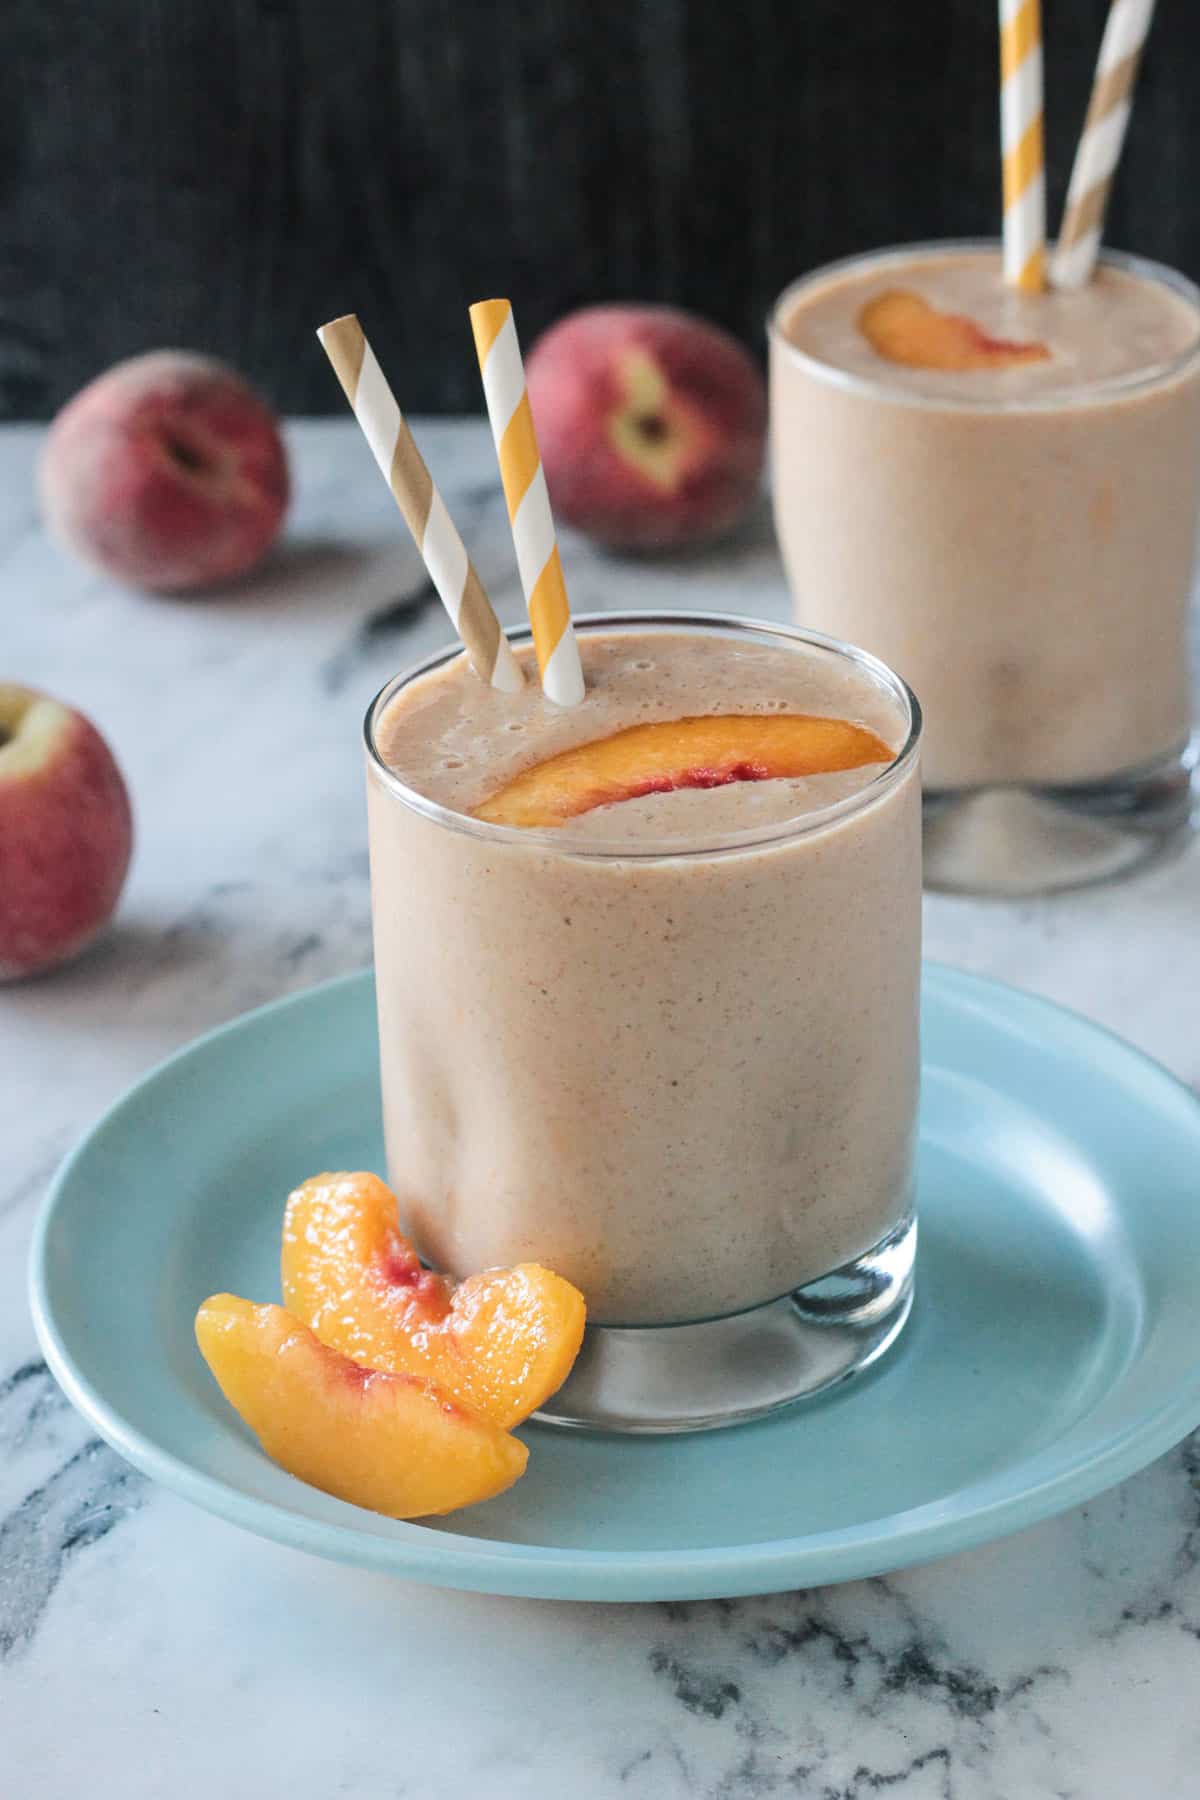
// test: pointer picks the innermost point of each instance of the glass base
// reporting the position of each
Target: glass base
(722, 1371)
(1014, 841)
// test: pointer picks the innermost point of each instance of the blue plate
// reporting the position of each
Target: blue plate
(1052, 1350)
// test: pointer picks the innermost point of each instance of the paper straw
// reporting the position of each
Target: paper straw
(403, 468)
(1021, 144)
(1100, 145)
(528, 502)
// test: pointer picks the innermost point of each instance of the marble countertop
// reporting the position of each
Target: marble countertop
(148, 1650)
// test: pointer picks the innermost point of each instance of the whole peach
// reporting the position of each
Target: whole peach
(66, 832)
(167, 473)
(651, 423)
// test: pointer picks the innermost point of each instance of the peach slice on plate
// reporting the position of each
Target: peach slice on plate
(694, 752)
(906, 329)
(501, 1342)
(395, 1444)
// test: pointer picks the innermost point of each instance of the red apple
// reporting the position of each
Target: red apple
(651, 423)
(65, 832)
(166, 473)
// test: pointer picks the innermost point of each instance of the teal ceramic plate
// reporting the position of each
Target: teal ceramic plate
(1052, 1349)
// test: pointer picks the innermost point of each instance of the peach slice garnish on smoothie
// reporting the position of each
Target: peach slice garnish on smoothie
(681, 753)
(501, 1342)
(397, 1444)
(905, 328)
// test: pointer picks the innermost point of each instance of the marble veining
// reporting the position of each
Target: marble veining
(86, 1498)
(148, 1650)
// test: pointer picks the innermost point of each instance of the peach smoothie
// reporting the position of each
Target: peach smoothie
(997, 492)
(647, 968)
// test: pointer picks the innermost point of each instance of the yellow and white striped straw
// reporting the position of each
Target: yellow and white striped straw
(528, 501)
(1021, 144)
(403, 468)
(1100, 145)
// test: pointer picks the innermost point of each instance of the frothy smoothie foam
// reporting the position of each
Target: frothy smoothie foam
(681, 1070)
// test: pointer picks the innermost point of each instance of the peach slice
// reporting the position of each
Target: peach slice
(393, 1443)
(697, 752)
(501, 1342)
(905, 328)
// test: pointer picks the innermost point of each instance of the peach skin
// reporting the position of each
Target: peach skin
(652, 425)
(501, 1342)
(906, 329)
(697, 752)
(395, 1444)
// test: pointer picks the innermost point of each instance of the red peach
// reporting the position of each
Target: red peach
(66, 832)
(167, 473)
(651, 423)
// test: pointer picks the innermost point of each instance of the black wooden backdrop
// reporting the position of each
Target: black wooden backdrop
(225, 174)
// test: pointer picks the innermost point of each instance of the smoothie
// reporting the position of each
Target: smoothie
(668, 1047)
(1017, 536)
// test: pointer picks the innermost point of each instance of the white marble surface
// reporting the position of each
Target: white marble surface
(147, 1650)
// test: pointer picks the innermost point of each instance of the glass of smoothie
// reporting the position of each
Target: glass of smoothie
(997, 492)
(647, 974)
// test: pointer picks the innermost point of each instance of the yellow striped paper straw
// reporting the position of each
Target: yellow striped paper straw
(528, 501)
(1100, 145)
(403, 468)
(1021, 144)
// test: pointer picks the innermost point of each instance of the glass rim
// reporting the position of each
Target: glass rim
(638, 849)
(1084, 393)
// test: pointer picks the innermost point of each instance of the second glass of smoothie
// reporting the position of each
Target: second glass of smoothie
(669, 1046)
(1015, 534)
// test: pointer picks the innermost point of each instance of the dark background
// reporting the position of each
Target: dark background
(226, 174)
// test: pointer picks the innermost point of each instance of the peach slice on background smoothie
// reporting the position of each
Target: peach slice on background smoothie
(905, 328)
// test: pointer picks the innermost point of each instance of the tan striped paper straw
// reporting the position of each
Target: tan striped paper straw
(528, 502)
(1100, 145)
(1021, 144)
(403, 468)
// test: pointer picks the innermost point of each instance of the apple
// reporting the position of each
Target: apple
(651, 424)
(167, 473)
(66, 832)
